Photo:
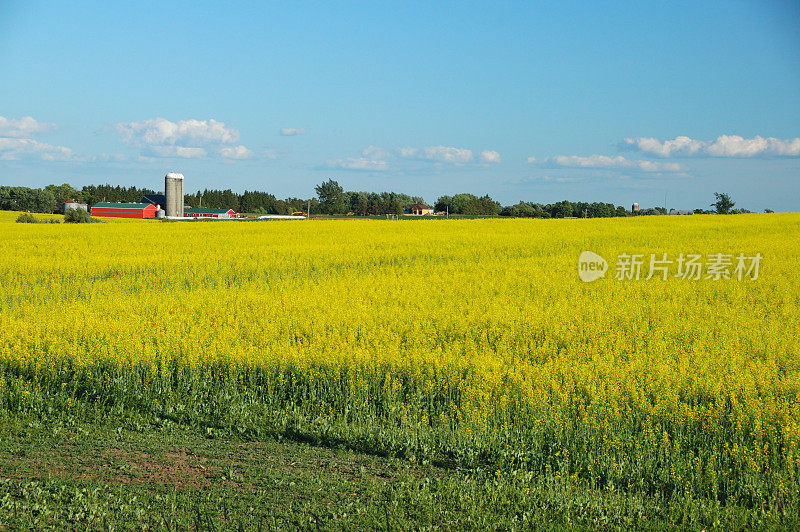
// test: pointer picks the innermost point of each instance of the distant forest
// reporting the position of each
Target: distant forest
(331, 198)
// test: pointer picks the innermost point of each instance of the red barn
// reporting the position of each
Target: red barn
(124, 210)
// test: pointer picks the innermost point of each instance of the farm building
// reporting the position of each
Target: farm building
(419, 209)
(124, 210)
(159, 200)
(193, 212)
(156, 199)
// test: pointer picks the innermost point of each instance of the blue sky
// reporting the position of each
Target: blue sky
(598, 101)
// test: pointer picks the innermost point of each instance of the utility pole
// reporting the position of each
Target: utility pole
(308, 211)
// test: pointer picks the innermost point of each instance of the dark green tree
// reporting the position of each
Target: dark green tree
(63, 193)
(331, 197)
(562, 209)
(468, 204)
(724, 204)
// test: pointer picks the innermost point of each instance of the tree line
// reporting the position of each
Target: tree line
(331, 198)
(51, 198)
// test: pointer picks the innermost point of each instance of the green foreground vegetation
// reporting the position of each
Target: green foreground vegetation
(108, 448)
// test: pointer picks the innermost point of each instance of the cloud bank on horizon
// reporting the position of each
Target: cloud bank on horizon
(723, 146)
(604, 161)
(160, 138)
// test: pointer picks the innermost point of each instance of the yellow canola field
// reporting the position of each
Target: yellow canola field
(495, 305)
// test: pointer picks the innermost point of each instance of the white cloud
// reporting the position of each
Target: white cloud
(677, 146)
(546, 179)
(108, 157)
(408, 153)
(186, 139)
(236, 152)
(723, 146)
(439, 154)
(160, 131)
(23, 127)
(592, 161)
(490, 156)
(16, 142)
(736, 146)
(374, 152)
(650, 166)
(182, 152)
(372, 158)
(12, 149)
(358, 163)
(604, 161)
(379, 159)
(292, 131)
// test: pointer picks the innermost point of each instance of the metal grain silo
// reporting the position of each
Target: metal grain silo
(173, 190)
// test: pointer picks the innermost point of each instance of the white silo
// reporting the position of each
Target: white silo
(173, 190)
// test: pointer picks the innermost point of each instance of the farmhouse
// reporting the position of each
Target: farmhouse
(419, 209)
(124, 210)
